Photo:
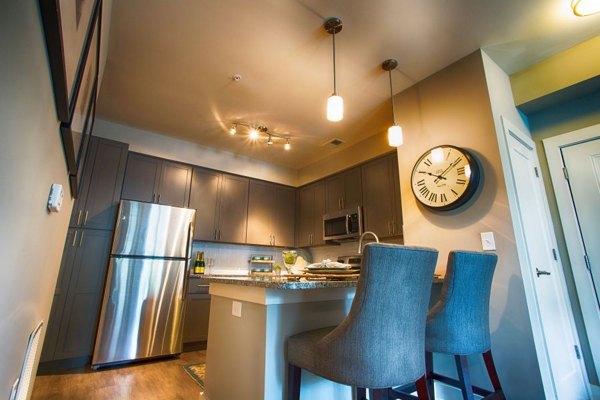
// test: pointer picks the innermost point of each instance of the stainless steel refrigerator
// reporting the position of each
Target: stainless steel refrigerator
(144, 298)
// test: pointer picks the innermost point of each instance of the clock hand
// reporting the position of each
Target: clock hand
(454, 164)
(430, 174)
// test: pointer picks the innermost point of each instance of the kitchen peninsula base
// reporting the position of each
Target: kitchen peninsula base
(246, 354)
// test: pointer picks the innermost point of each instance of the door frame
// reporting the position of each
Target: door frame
(510, 129)
(574, 242)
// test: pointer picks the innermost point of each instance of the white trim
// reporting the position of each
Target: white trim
(553, 147)
(508, 128)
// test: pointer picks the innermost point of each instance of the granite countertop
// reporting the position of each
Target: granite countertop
(281, 282)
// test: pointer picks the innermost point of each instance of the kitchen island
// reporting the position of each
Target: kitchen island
(250, 320)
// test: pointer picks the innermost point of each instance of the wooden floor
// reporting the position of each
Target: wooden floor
(164, 379)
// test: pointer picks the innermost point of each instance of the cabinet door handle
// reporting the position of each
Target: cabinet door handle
(343, 203)
(219, 234)
(86, 217)
(74, 239)
(81, 238)
(339, 203)
(153, 196)
(158, 199)
(78, 218)
(215, 237)
(273, 240)
(389, 227)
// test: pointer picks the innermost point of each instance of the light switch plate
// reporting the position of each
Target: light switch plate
(236, 309)
(488, 243)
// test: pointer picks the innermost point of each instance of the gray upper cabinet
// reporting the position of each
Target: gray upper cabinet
(309, 214)
(204, 197)
(233, 209)
(76, 307)
(155, 180)
(96, 207)
(343, 190)
(221, 203)
(381, 195)
(271, 211)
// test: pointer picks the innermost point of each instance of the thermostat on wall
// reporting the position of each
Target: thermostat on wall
(55, 197)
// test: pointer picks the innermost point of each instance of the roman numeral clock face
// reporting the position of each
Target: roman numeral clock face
(445, 177)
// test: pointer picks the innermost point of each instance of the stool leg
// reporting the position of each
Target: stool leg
(361, 393)
(429, 374)
(379, 394)
(464, 377)
(491, 369)
(422, 388)
(293, 382)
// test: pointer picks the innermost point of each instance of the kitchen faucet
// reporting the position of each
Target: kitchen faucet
(361, 239)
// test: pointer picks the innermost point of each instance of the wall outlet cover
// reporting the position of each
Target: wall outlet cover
(488, 243)
(236, 309)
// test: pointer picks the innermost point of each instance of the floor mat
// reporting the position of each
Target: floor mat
(196, 372)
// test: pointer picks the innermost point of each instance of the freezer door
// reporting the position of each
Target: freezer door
(153, 230)
(142, 310)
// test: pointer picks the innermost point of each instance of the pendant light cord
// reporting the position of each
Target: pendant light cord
(392, 99)
(334, 80)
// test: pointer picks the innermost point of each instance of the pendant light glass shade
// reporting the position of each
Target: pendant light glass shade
(335, 108)
(395, 136)
(583, 8)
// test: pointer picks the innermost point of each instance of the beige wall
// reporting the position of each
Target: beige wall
(180, 150)
(31, 159)
(453, 107)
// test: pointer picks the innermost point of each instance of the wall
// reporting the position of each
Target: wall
(453, 106)
(31, 159)
(180, 150)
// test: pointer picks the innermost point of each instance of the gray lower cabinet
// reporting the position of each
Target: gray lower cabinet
(96, 206)
(343, 190)
(381, 196)
(309, 214)
(271, 210)
(197, 311)
(221, 203)
(155, 180)
(74, 316)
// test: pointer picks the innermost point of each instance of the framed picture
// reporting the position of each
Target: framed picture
(76, 133)
(68, 27)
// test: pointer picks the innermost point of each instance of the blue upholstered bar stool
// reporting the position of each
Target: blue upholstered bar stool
(380, 343)
(458, 323)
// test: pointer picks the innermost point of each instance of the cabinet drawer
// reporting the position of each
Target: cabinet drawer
(197, 286)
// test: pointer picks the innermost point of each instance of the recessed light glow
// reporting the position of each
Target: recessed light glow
(287, 145)
(583, 8)
(253, 134)
(233, 130)
(437, 155)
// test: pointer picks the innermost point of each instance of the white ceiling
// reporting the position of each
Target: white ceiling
(170, 63)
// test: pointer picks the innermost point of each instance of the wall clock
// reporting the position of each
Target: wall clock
(445, 177)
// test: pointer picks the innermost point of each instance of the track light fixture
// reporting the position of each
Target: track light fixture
(258, 133)
(335, 103)
(395, 137)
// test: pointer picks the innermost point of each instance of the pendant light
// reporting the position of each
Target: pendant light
(335, 104)
(395, 138)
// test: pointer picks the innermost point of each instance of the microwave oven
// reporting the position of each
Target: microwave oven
(343, 225)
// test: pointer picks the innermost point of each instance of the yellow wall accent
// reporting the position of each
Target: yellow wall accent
(560, 71)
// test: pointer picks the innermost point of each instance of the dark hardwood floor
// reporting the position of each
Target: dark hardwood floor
(163, 379)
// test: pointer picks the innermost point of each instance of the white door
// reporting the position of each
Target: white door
(552, 322)
(582, 163)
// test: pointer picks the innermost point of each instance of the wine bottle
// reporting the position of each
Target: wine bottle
(199, 264)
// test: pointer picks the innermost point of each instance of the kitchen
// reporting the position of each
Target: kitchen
(430, 110)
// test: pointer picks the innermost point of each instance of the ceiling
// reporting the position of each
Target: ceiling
(170, 63)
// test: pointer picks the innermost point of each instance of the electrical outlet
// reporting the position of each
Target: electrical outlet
(488, 243)
(236, 309)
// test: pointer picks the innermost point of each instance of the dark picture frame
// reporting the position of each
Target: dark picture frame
(76, 132)
(68, 27)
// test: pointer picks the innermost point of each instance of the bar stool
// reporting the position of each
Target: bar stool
(458, 323)
(380, 343)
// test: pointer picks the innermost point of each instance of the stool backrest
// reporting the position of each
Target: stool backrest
(459, 322)
(381, 341)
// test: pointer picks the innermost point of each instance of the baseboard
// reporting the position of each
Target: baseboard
(194, 346)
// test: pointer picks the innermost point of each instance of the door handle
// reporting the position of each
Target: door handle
(81, 238)
(158, 199)
(79, 217)
(541, 272)
(74, 239)
(86, 217)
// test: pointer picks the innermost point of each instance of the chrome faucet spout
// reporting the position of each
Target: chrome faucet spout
(361, 239)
